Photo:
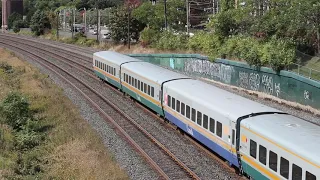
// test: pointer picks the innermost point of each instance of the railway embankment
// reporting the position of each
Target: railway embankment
(42, 134)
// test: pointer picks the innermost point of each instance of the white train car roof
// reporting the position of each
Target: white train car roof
(152, 72)
(114, 57)
(292, 133)
(226, 103)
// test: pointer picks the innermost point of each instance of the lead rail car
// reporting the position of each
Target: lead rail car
(260, 141)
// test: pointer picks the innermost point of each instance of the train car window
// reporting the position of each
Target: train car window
(149, 92)
(310, 176)
(173, 103)
(253, 148)
(219, 129)
(193, 115)
(132, 81)
(212, 125)
(111, 70)
(183, 110)
(199, 118)
(205, 121)
(105, 67)
(135, 83)
(188, 111)
(169, 101)
(152, 91)
(178, 106)
(114, 71)
(129, 79)
(296, 172)
(145, 88)
(262, 154)
(138, 84)
(284, 167)
(98, 64)
(273, 161)
(233, 134)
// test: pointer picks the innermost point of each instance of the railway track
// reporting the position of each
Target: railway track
(155, 153)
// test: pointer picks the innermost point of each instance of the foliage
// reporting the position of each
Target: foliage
(119, 25)
(17, 25)
(15, 110)
(12, 18)
(149, 36)
(39, 22)
(278, 53)
(153, 15)
(205, 42)
(169, 40)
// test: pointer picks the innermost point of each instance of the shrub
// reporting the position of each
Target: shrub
(278, 53)
(149, 36)
(17, 25)
(27, 139)
(90, 42)
(250, 51)
(15, 110)
(171, 41)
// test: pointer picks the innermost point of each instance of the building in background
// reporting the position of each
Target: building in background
(9, 7)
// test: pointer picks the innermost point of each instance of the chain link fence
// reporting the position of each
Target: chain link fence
(305, 71)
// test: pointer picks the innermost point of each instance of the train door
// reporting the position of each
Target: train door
(232, 142)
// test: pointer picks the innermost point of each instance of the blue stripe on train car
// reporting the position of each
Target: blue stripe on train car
(204, 140)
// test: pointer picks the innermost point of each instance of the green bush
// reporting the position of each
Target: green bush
(15, 110)
(278, 53)
(29, 163)
(149, 36)
(27, 139)
(171, 41)
(90, 42)
(250, 51)
(17, 25)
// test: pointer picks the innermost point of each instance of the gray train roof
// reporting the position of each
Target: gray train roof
(114, 57)
(222, 101)
(294, 134)
(152, 72)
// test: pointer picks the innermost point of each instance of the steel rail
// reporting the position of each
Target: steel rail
(190, 172)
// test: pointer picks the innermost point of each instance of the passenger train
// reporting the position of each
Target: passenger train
(259, 141)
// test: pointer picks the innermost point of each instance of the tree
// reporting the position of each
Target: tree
(39, 22)
(153, 15)
(119, 25)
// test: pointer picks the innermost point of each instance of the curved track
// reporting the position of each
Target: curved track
(163, 161)
(62, 61)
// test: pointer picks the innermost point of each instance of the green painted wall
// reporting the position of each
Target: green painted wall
(285, 85)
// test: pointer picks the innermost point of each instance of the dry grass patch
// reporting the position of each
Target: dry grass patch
(72, 149)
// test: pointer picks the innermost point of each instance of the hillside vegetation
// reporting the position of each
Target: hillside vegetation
(40, 140)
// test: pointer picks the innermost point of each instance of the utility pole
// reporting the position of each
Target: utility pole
(129, 14)
(188, 11)
(165, 15)
(58, 18)
(72, 25)
(98, 24)
(85, 21)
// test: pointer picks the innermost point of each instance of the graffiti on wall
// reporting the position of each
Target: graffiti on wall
(206, 68)
(254, 81)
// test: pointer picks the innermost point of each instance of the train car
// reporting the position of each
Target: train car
(107, 64)
(279, 146)
(208, 114)
(143, 81)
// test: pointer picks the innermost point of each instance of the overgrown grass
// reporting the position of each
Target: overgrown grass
(53, 142)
